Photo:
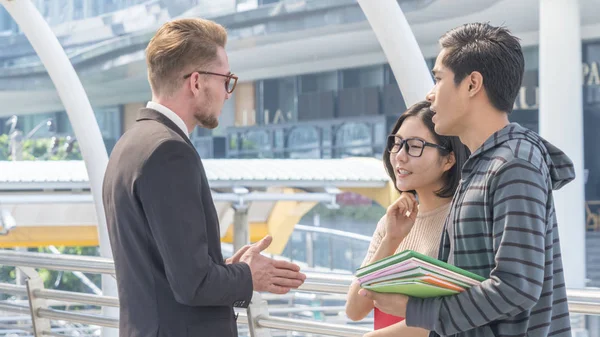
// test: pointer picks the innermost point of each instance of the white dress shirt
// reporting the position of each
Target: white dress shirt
(170, 115)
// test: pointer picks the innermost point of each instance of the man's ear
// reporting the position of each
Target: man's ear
(475, 83)
(194, 83)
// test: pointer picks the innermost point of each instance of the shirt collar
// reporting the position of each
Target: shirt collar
(170, 115)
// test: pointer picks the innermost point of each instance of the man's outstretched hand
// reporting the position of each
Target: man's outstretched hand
(274, 276)
(236, 257)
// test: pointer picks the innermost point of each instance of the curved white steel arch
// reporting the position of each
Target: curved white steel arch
(80, 113)
(400, 48)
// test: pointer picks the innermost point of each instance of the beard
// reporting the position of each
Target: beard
(208, 122)
(204, 115)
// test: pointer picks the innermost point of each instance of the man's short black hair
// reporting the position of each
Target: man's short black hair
(492, 51)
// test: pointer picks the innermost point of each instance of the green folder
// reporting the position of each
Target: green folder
(407, 254)
(416, 272)
(414, 289)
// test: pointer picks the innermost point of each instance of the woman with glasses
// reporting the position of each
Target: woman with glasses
(425, 167)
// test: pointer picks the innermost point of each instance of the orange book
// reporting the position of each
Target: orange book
(441, 283)
(430, 279)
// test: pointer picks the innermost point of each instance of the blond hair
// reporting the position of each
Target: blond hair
(177, 47)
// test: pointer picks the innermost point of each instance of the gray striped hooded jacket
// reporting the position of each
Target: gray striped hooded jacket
(502, 226)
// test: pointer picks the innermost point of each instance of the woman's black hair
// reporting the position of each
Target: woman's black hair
(451, 177)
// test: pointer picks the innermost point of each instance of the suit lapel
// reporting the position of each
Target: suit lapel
(151, 114)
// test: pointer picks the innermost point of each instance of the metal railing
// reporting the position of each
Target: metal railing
(582, 301)
(330, 239)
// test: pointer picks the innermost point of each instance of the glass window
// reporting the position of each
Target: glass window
(257, 143)
(591, 160)
(110, 123)
(109, 119)
(303, 142)
(532, 58)
(431, 63)
(28, 123)
(227, 117)
(267, 2)
(591, 74)
(526, 107)
(78, 13)
(362, 77)
(5, 19)
(391, 96)
(591, 125)
(3, 127)
(354, 139)
(390, 78)
(63, 125)
(278, 102)
(319, 82)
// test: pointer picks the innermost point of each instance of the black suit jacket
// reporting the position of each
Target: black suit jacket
(164, 233)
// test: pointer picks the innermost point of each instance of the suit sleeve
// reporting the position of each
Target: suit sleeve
(515, 285)
(170, 191)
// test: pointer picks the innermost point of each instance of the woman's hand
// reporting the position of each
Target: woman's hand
(400, 217)
(392, 304)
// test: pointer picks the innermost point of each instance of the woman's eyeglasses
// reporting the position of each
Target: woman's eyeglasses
(413, 146)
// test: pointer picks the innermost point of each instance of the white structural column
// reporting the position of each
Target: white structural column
(81, 115)
(400, 48)
(561, 122)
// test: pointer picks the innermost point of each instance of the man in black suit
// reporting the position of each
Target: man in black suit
(162, 222)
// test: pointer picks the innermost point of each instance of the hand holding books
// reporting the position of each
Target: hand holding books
(400, 217)
(392, 304)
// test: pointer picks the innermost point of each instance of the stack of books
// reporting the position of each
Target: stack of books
(417, 275)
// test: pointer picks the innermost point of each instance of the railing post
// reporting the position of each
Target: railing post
(258, 308)
(310, 257)
(34, 282)
(241, 227)
(330, 253)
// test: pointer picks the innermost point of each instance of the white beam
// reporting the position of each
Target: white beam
(400, 47)
(79, 110)
(561, 109)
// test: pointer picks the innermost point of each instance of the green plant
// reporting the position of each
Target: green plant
(38, 149)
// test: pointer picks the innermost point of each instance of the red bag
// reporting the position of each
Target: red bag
(382, 320)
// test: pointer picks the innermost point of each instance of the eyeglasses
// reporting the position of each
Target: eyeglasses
(412, 146)
(229, 84)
